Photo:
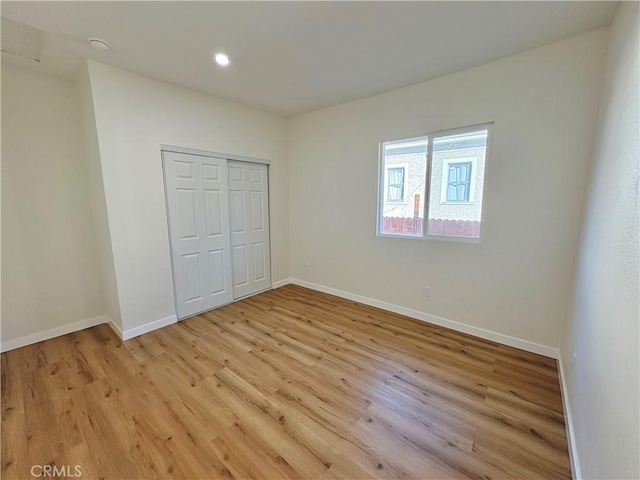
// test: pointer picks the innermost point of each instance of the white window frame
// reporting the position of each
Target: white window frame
(382, 174)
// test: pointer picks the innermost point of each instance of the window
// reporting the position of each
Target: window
(403, 187)
(458, 182)
(439, 177)
(395, 184)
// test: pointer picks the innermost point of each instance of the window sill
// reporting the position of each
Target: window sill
(438, 238)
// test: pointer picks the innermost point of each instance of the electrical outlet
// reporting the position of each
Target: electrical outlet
(426, 291)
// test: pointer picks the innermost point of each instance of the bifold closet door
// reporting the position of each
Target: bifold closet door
(249, 213)
(197, 202)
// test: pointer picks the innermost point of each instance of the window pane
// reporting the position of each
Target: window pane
(452, 193)
(405, 168)
(459, 182)
(395, 189)
(457, 178)
(395, 193)
(396, 176)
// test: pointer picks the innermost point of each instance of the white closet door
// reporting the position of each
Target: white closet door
(249, 214)
(197, 201)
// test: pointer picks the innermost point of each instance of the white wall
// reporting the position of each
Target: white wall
(50, 276)
(134, 116)
(603, 329)
(100, 221)
(518, 281)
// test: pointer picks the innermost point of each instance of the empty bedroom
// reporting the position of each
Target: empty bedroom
(320, 240)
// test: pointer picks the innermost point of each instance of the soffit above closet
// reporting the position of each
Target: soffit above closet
(294, 57)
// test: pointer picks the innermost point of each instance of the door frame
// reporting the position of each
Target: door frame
(206, 153)
(228, 156)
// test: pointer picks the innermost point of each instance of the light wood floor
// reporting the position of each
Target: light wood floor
(287, 384)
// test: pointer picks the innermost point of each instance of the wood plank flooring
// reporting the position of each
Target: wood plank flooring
(291, 383)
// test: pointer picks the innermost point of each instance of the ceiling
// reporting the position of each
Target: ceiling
(294, 57)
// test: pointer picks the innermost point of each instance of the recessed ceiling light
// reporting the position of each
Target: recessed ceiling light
(222, 59)
(99, 44)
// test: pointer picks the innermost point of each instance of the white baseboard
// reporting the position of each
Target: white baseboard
(52, 333)
(443, 322)
(115, 328)
(568, 422)
(281, 283)
(146, 328)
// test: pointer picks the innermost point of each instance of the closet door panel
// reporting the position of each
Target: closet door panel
(197, 205)
(249, 194)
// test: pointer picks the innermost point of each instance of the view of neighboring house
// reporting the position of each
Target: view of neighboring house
(455, 185)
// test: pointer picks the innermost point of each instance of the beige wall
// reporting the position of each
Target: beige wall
(517, 281)
(135, 115)
(603, 329)
(50, 276)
